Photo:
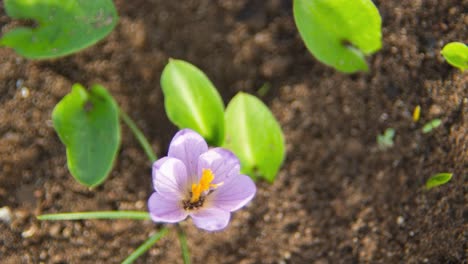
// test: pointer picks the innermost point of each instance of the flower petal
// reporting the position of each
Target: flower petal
(165, 210)
(211, 219)
(156, 165)
(222, 162)
(233, 195)
(187, 146)
(170, 179)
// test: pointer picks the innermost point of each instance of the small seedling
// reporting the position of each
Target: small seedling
(264, 89)
(385, 140)
(438, 179)
(431, 125)
(456, 54)
(192, 101)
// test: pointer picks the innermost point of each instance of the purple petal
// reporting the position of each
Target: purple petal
(233, 195)
(156, 165)
(165, 210)
(170, 179)
(211, 219)
(222, 162)
(187, 146)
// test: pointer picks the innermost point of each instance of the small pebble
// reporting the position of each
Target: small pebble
(30, 232)
(400, 220)
(435, 111)
(5, 214)
(19, 83)
(25, 92)
(54, 230)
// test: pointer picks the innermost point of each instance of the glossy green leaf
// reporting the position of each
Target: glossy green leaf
(456, 54)
(429, 126)
(339, 33)
(192, 101)
(87, 122)
(255, 136)
(438, 179)
(64, 26)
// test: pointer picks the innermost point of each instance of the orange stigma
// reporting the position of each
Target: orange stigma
(204, 185)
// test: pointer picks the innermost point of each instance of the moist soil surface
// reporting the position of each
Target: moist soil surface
(338, 198)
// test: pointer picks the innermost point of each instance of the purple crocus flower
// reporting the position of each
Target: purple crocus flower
(194, 180)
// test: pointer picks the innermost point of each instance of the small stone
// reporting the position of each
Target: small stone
(43, 255)
(19, 83)
(67, 232)
(400, 220)
(30, 232)
(140, 204)
(5, 214)
(54, 230)
(435, 110)
(25, 92)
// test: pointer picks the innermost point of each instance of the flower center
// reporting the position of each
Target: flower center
(199, 190)
(204, 185)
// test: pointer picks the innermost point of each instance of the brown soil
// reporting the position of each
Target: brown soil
(337, 199)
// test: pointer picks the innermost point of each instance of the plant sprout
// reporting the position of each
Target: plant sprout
(431, 125)
(192, 101)
(456, 54)
(438, 179)
(385, 140)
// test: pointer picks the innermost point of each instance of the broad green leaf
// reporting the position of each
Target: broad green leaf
(456, 54)
(429, 126)
(87, 122)
(254, 135)
(339, 33)
(438, 179)
(192, 101)
(64, 26)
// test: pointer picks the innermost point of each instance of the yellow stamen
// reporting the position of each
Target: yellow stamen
(204, 185)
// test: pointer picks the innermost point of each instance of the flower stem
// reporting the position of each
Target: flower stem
(145, 246)
(139, 135)
(136, 215)
(183, 245)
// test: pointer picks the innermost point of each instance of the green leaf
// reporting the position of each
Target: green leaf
(64, 26)
(254, 135)
(456, 54)
(428, 127)
(438, 179)
(192, 101)
(386, 140)
(87, 122)
(339, 33)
